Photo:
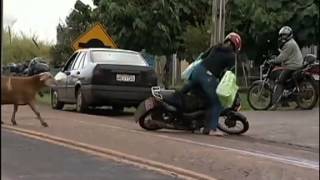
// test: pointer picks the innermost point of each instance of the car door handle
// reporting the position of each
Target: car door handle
(78, 72)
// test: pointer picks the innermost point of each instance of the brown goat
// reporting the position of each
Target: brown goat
(23, 90)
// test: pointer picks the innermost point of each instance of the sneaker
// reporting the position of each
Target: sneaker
(216, 133)
(205, 131)
(273, 108)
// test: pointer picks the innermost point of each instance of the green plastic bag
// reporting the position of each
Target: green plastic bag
(227, 89)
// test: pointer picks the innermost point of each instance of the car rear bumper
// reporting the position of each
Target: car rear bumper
(99, 95)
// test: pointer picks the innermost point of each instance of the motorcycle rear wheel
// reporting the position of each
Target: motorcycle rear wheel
(308, 95)
(146, 122)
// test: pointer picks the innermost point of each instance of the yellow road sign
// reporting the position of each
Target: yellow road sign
(97, 36)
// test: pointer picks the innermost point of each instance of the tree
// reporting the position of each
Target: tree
(135, 25)
(196, 39)
(257, 21)
(153, 25)
(76, 23)
(164, 27)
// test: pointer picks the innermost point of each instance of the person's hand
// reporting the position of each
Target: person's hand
(271, 61)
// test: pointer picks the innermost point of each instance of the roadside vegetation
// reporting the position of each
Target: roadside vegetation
(19, 47)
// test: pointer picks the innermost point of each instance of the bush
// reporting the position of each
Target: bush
(19, 48)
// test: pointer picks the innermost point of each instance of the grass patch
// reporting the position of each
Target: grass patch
(46, 99)
(244, 102)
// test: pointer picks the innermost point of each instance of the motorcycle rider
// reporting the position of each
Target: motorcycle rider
(216, 60)
(290, 58)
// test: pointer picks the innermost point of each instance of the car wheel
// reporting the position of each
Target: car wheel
(55, 103)
(81, 104)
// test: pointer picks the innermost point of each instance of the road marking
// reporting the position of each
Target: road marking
(276, 157)
(117, 156)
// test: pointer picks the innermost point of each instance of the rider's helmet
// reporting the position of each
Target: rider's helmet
(285, 34)
(235, 39)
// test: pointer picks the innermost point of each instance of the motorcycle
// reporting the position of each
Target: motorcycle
(168, 109)
(300, 88)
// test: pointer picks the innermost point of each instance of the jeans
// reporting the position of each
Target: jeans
(208, 83)
(279, 87)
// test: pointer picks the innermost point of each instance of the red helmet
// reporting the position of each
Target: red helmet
(235, 39)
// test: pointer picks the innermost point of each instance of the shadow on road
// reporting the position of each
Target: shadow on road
(103, 112)
(109, 112)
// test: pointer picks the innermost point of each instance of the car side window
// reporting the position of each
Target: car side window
(86, 59)
(77, 62)
(70, 62)
(82, 61)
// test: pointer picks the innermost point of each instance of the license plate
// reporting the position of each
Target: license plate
(149, 104)
(126, 78)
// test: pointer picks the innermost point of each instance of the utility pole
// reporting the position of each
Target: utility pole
(213, 22)
(223, 23)
(1, 38)
(218, 21)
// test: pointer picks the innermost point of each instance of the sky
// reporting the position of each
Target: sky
(38, 17)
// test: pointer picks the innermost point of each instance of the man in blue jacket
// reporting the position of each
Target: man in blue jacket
(207, 74)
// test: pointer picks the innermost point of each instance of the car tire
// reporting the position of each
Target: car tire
(55, 103)
(81, 105)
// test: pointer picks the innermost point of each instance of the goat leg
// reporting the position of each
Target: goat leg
(15, 109)
(34, 109)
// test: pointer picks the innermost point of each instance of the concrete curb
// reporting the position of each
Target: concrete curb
(114, 155)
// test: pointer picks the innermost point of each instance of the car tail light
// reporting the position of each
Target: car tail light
(98, 75)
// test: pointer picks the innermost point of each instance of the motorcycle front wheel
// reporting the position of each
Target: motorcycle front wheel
(259, 97)
(234, 124)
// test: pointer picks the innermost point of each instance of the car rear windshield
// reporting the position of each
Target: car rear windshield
(118, 58)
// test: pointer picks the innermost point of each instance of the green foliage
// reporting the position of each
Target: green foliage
(46, 99)
(257, 21)
(164, 27)
(137, 24)
(76, 23)
(196, 40)
(18, 48)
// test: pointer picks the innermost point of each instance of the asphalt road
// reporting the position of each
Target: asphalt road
(279, 145)
(30, 159)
